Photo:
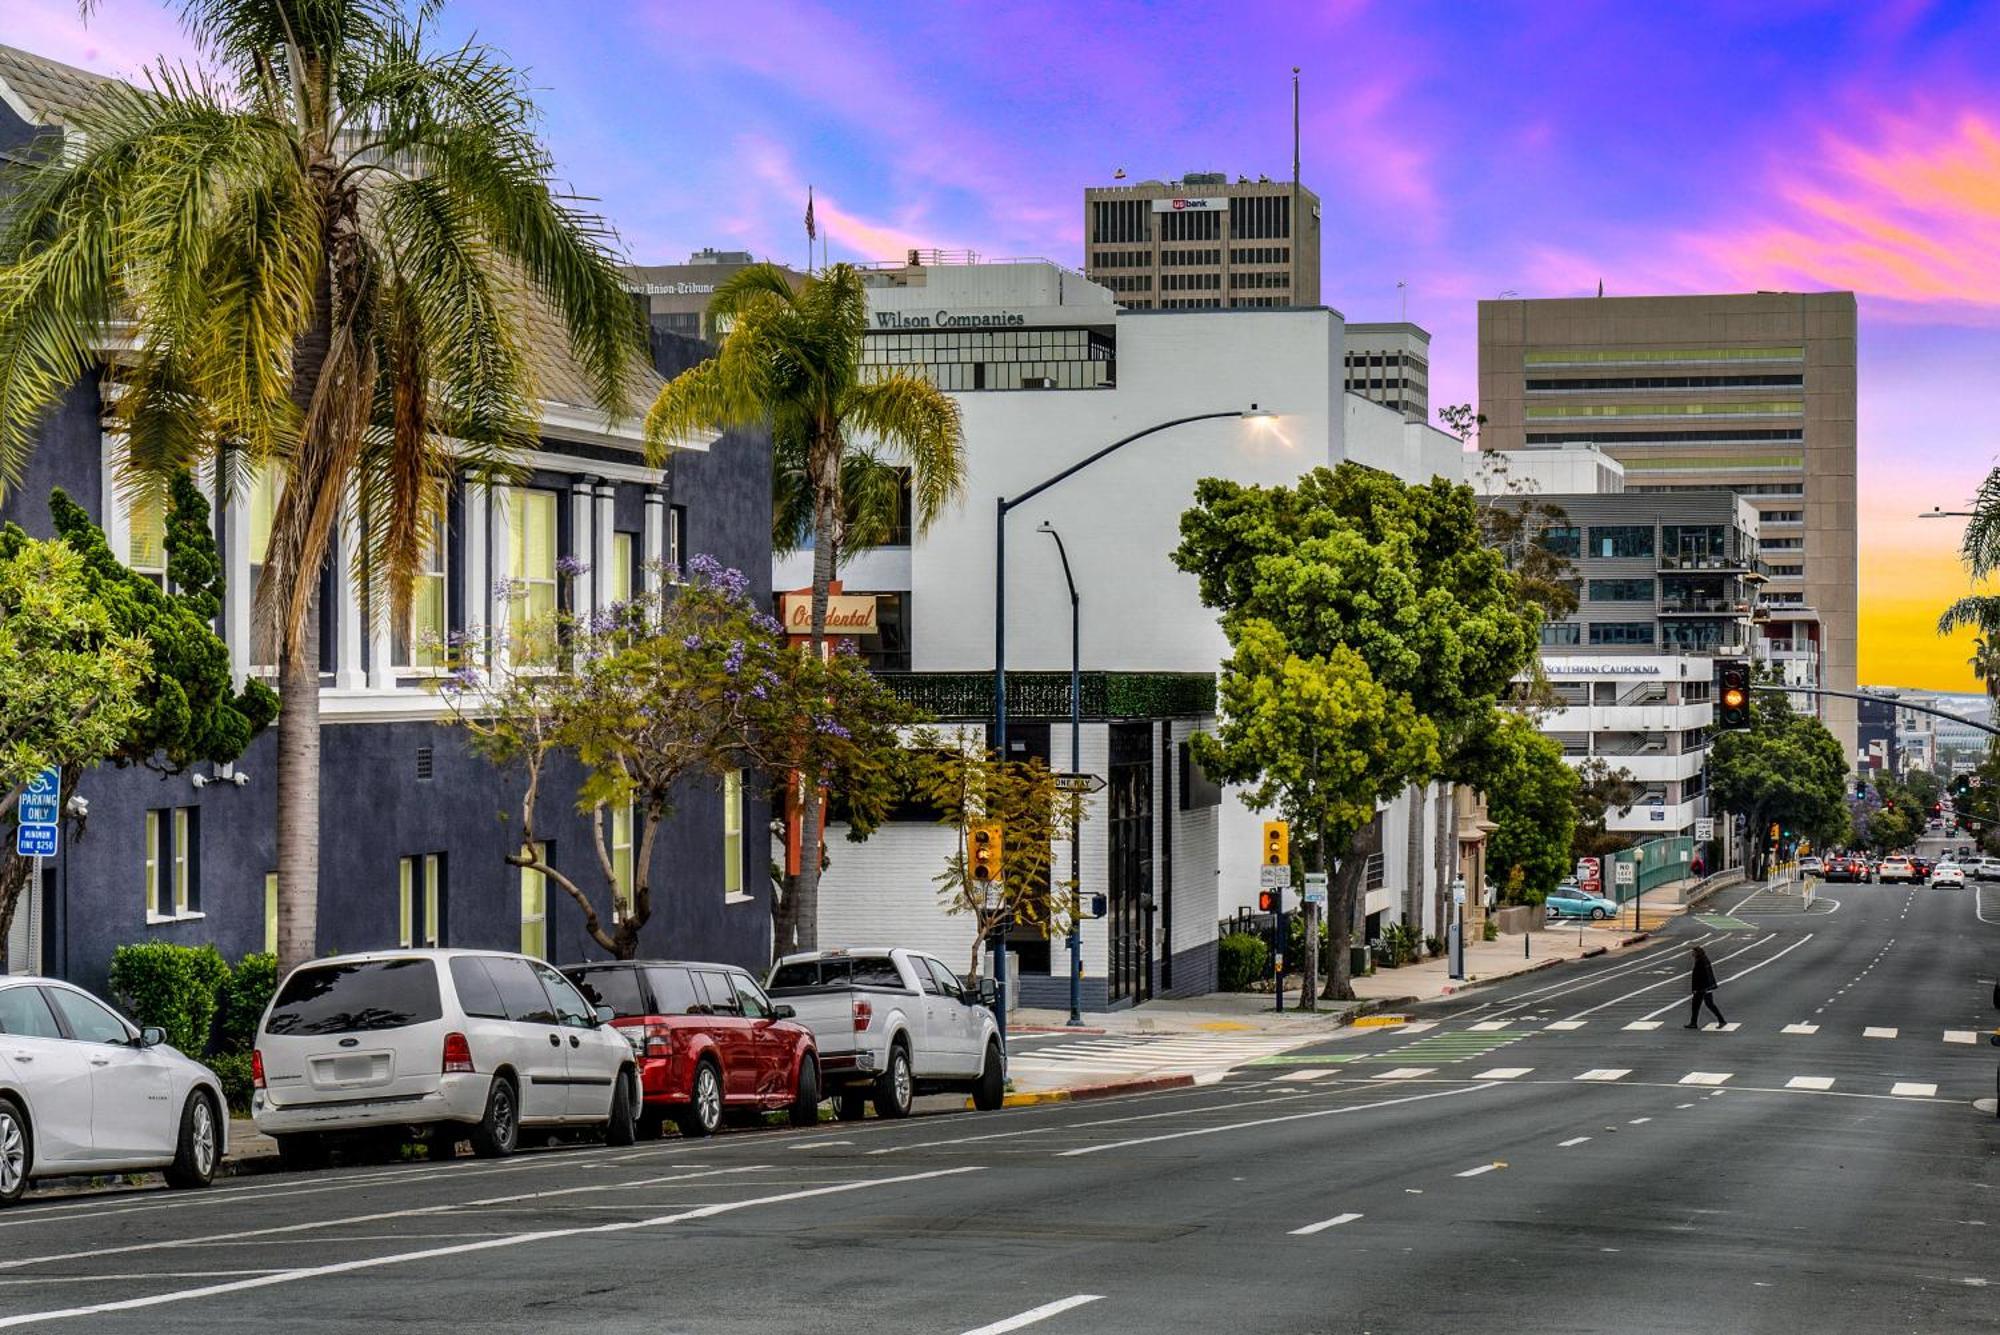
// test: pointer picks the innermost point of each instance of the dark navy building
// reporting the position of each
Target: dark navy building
(414, 828)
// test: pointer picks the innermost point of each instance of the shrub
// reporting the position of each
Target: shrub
(244, 997)
(174, 987)
(1241, 960)
(1434, 946)
(233, 1070)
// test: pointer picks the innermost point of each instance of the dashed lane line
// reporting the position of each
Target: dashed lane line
(1475, 1172)
(1034, 1314)
(1572, 1141)
(1961, 1035)
(1341, 1110)
(1325, 1224)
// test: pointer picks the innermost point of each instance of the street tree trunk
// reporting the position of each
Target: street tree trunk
(15, 874)
(298, 799)
(804, 906)
(1341, 896)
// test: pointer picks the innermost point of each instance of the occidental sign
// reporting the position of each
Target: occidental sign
(846, 614)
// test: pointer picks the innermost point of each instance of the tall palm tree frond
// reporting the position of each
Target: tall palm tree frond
(1980, 611)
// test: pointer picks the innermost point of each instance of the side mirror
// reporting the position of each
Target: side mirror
(605, 1014)
(152, 1036)
(782, 1012)
(989, 992)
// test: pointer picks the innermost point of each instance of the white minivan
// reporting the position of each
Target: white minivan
(471, 1044)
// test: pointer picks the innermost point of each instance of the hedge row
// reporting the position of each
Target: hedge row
(208, 1010)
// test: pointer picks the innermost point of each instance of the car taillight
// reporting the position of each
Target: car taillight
(657, 1040)
(864, 1014)
(457, 1055)
(256, 1069)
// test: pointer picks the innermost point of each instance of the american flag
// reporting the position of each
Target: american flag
(812, 230)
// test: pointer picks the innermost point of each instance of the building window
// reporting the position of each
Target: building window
(732, 834)
(622, 881)
(1621, 632)
(420, 642)
(1621, 540)
(1562, 540)
(1561, 632)
(270, 913)
(1783, 544)
(535, 907)
(1621, 591)
(531, 566)
(172, 847)
(618, 579)
(1787, 571)
(677, 529)
(420, 900)
(146, 548)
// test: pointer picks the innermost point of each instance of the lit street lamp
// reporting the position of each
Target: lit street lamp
(1935, 513)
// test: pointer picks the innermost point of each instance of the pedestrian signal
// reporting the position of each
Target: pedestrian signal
(1267, 901)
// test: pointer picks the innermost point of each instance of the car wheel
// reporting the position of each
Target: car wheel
(302, 1152)
(895, 1092)
(851, 1105)
(623, 1128)
(703, 1114)
(1598, 915)
(17, 1152)
(499, 1131)
(991, 1091)
(805, 1099)
(197, 1152)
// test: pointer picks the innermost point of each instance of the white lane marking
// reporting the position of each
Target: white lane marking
(1961, 1035)
(1914, 1088)
(1271, 1121)
(1316, 1073)
(1641, 991)
(1643, 1024)
(817, 1144)
(460, 1249)
(1979, 906)
(1650, 956)
(1487, 1026)
(1875, 1031)
(1810, 1082)
(1605, 1074)
(1800, 1029)
(1034, 1314)
(1405, 1073)
(1681, 1106)
(1729, 1028)
(1324, 1224)
(1706, 1077)
(1560, 1025)
(1475, 1172)
(1289, 1096)
(1573, 1140)
(1504, 1073)
(1639, 1121)
(278, 1230)
(1415, 1027)
(1741, 973)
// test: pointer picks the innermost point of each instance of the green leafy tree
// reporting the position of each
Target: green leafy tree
(1786, 768)
(970, 784)
(1602, 790)
(70, 681)
(1889, 828)
(791, 357)
(1390, 588)
(671, 690)
(1531, 797)
(325, 250)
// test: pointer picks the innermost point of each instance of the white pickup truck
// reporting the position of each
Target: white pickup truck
(891, 1024)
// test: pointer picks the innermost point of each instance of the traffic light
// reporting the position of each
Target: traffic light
(1277, 844)
(1267, 901)
(1732, 693)
(985, 854)
(1861, 789)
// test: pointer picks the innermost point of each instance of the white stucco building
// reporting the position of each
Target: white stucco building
(1047, 370)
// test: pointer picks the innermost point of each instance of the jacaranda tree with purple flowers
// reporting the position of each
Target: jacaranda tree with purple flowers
(656, 698)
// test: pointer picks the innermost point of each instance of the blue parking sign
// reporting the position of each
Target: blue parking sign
(39, 809)
(35, 841)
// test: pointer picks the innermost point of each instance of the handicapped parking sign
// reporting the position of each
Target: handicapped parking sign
(39, 811)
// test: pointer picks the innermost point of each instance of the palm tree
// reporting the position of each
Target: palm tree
(322, 253)
(791, 357)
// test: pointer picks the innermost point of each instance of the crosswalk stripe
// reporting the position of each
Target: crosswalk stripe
(1705, 1077)
(1644, 1024)
(1404, 1073)
(1604, 1074)
(1810, 1082)
(1487, 1026)
(1961, 1036)
(1560, 1025)
(1418, 1027)
(1317, 1073)
(1800, 1029)
(1504, 1073)
(1914, 1087)
(1874, 1032)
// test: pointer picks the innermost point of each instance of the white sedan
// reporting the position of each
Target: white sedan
(1948, 873)
(84, 1091)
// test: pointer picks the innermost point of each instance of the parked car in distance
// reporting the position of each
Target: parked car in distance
(1896, 867)
(890, 1024)
(1948, 874)
(709, 1042)
(83, 1090)
(467, 1044)
(1811, 864)
(1985, 869)
(1571, 901)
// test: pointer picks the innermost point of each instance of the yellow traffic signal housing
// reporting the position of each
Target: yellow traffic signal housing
(983, 857)
(1277, 843)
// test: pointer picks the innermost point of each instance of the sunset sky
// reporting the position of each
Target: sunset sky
(1467, 150)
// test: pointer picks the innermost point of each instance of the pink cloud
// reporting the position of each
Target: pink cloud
(121, 38)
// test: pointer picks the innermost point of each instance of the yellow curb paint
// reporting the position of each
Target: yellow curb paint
(1029, 1099)
(1379, 1021)
(1224, 1026)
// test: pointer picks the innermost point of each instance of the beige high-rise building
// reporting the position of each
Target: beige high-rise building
(1202, 243)
(1752, 393)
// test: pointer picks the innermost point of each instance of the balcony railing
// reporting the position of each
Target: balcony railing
(1709, 561)
(1045, 695)
(1703, 605)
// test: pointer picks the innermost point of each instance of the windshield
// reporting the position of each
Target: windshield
(358, 997)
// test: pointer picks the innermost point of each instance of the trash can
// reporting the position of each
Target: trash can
(1357, 960)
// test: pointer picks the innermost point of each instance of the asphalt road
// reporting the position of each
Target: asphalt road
(1531, 1160)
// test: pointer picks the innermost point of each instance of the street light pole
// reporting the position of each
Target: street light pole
(1075, 764)
(1001, 505)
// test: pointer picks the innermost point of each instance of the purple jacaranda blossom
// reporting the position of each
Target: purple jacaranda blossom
(572, 565)
(758, 692)
(833, 728)
(691, 642)
(459, 680)
(767, 623)
(506, 587)
(732, 662)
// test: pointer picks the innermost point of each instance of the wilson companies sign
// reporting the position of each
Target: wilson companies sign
(990, 319)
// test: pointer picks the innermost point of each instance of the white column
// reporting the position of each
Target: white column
(347, 668)
(601, 556)
(582, 543)
(239, 595)
(654, 538)
(481, 555)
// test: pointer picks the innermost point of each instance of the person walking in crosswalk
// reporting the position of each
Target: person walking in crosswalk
(1704, 990)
